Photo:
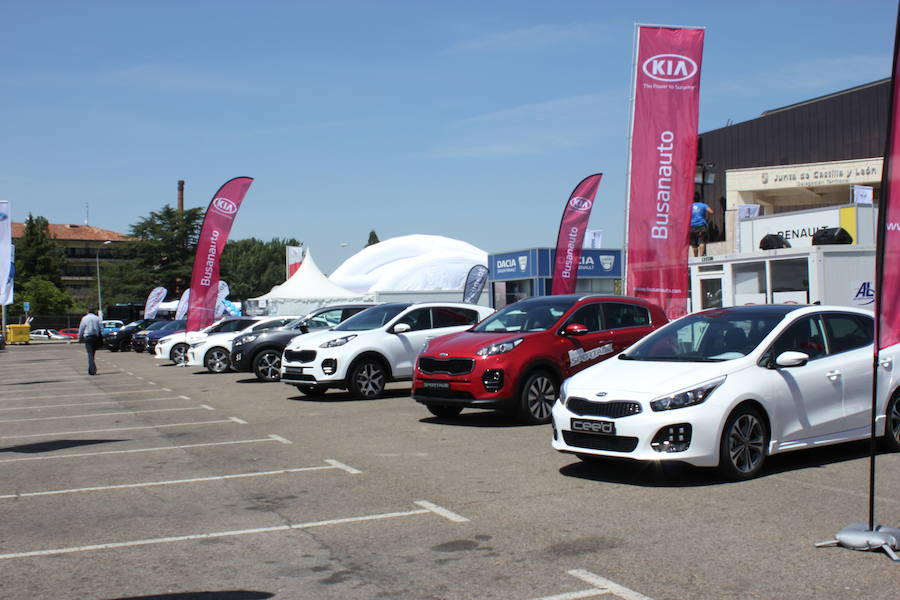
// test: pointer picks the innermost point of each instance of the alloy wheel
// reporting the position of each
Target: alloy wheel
(369, 380)
(746, 443)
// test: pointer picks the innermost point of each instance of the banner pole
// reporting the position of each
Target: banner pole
(634, 58)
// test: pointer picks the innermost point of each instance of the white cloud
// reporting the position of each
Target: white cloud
(537, 128)
(538, 36)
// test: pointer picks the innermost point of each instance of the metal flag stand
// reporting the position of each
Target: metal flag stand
(868, 536)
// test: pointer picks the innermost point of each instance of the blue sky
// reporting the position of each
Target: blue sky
(472, 120)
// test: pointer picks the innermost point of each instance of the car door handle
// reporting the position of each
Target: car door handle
(833, 375)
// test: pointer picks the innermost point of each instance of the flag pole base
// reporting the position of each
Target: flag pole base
(858, 536)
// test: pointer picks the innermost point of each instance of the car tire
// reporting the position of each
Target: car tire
(367, 379)
(536, 398)
(742, 448)
(267, 365)
(891, 439)
(216, 360)
(178, 353)
(444, 412)
(312, 390)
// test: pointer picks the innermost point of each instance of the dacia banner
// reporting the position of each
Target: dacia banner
(570, 239)
(151, 307)
(887, 251)
(474, 285)
(5, 253)
(182, 308)
(662, 160)
(213, 236)
(293, 258)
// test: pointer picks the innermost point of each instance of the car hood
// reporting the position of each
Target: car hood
(314, 338)
(467, 343)
(647, 378)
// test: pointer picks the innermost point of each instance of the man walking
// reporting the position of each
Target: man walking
(89, 335)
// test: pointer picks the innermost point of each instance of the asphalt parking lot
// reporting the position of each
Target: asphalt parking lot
(155, 481)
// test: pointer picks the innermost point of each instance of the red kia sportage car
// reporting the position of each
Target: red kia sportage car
(516, 359)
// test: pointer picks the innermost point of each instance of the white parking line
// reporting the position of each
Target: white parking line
(103, 488)
(221, 534)
(280, 439)
(56, 433)
(341, 465)
(43, 406)
(602, 586)
(112, 393)
(111, 414)
(136, 450)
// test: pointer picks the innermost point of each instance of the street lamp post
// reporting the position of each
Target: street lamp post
(99, 292)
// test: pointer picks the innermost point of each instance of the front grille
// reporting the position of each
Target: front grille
(303, 356)
(450, 366)
(613, 443)
(292, 374)
(613, 410)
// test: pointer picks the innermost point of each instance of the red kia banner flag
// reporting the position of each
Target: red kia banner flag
(570, 238)
(887, 267)
(663, 156)
(213, 236)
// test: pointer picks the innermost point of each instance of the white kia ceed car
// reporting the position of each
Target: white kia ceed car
(728, 387)
(373, 347)
(214, 350)
(175, 347)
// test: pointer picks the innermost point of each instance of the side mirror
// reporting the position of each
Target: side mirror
(401, 328)
(575, 329)
(791, 358)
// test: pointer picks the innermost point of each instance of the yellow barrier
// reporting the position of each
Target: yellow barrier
(16, 334)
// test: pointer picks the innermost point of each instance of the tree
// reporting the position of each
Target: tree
(161, 255)
(37, 255)
(43, 295)
(252, 267)
(373, 238)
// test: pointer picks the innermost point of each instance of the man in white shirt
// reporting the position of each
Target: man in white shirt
(89, 331)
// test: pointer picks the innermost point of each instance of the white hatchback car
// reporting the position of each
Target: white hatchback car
(373, 347)
(175, 347)
(213, 351)
(728, 387)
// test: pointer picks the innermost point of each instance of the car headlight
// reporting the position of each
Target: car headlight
(337, 342)
(244, 340)
(196, 345)
(501, 348)
(113, 333)
(689, 397)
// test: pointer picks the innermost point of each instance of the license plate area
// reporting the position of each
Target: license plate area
(436, 385)
(593, 426)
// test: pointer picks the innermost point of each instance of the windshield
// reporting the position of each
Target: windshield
(157, 325)
(372, 318)
(710, 336)
(538, 314)
(173, 325)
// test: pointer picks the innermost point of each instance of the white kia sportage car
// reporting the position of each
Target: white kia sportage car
(373, 347)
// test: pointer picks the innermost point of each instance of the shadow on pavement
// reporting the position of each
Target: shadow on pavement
(54, 445)
(223, 595)
(478, 419)
(342, 396)
(676, 474)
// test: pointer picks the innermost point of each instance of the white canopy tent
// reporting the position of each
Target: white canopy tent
(410, 263)
(304, 291)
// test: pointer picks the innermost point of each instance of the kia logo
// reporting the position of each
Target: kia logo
(581, 203)
(225, 206)
(669, 67)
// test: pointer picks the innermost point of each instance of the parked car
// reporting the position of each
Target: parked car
(728, 387)
(120, 339)
(47, 334)
(214, 351)
(370, 349)
(108, 325)
(174, 347)
(516, 359)
(70, 332)
(260, 352)
(140, 341)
